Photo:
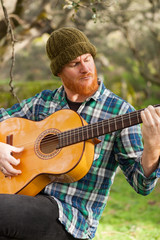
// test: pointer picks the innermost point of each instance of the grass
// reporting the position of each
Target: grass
(129, 216)
(23, 90)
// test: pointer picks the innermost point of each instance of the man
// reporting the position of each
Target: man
(72, 210)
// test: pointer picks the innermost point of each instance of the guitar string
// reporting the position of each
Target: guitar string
(86, 128)
(116, 120)
(102, 123)
(63, 135)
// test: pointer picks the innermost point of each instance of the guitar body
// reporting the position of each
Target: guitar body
(42, 164)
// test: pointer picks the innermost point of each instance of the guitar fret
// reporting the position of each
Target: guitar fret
(97, 129)
(59, 142)
(74, 136)
(87, 133)
(67, 142)
(122, 121)
(137, 113)
(82, 135)
(70, 139)
(78, 135)
(115, 122)
(92, 132)
(130, 122)
(61, 138)
(109, 127)
(103, 127)
(67, 137)
(64, 139)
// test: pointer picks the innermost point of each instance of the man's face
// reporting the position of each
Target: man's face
(80, 76)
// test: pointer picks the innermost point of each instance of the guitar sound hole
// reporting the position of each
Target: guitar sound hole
(49, 143)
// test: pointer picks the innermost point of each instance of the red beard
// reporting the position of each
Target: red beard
(84, 86)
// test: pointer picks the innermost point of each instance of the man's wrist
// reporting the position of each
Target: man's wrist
(149, 164)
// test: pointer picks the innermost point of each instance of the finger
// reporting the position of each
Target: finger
(10, 170)
(17, 149)
(157, 109)
(13, 160)
(154, 114)
(143, 116)
(149, 116)
(146, 117)
(6, 173)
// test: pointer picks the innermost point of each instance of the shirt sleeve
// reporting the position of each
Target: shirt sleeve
(128, 151)
(25, 109)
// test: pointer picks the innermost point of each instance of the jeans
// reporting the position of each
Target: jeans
(30, 218)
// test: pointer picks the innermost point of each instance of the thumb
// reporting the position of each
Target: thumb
(17, 149)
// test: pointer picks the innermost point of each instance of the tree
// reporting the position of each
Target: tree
(31, 19)
(125, 32)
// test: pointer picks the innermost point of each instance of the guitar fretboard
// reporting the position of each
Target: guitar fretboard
(99, 128)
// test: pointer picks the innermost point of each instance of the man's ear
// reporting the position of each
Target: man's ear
(59, 73)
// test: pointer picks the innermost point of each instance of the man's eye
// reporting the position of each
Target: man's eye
(87, 60)
(74, 64)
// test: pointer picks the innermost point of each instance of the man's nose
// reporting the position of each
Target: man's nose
(84, 67)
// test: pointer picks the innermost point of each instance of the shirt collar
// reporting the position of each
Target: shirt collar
(97, 95)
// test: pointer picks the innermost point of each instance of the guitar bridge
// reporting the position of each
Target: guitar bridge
(9, 139)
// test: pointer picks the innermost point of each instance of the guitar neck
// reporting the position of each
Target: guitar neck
(100, 128)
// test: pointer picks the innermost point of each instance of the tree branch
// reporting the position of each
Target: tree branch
(10, 32)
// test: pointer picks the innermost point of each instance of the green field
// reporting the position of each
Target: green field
(129, 216)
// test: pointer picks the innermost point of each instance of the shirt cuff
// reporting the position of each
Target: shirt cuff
(158, 170)
(154, 175)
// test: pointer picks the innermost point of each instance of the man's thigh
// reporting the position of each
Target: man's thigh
(25, 217)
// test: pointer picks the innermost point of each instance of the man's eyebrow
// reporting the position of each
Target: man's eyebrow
(75, 60)
(89, 55)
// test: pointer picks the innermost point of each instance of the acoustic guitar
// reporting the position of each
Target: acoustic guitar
(59, 148)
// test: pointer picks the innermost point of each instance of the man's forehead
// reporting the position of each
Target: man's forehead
(81, 57)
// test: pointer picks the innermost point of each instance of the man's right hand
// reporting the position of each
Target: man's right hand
(7, 161)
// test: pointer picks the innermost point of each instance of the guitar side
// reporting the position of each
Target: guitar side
(68, 164)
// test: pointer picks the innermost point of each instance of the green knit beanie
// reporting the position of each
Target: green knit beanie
(66, 44)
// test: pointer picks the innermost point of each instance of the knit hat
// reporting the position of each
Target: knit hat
(66, 44)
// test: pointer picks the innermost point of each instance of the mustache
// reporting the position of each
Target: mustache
(86, 75)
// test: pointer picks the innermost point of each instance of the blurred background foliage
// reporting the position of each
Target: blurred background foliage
(126, 34)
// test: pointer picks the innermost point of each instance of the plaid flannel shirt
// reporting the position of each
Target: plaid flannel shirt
(81, 203)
